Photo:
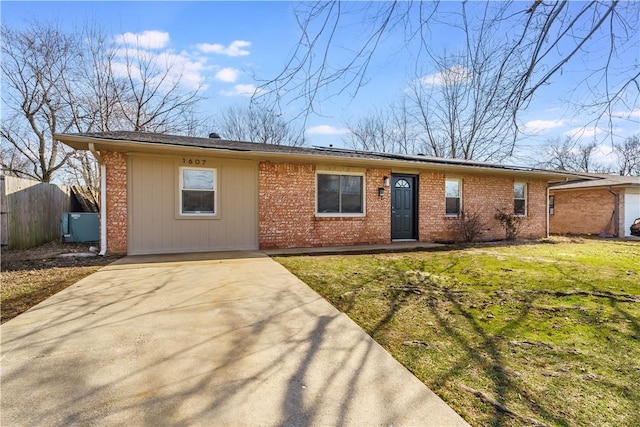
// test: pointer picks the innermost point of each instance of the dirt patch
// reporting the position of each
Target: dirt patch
(30, 276)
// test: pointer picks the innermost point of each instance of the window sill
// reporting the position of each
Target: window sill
(339, 217)
(197, 216)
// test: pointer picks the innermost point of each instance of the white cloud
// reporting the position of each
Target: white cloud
(234, 49)
(452, 74)
(326, 130)
(539, 126)
(584, 132)
(626, 114)
(150, 39)
(166, 68)
(242, 90)
(228, 75)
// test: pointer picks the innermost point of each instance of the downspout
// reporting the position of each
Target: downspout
(103, 200)
(548, 217)
(616, 212)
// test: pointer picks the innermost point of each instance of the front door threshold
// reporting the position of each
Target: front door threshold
(404, 240)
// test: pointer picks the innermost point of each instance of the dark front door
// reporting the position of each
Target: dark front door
(403, 207)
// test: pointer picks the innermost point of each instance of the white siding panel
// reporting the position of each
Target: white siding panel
(155, 227)
(631, 208)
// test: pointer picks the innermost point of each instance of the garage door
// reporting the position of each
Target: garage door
(631, 208)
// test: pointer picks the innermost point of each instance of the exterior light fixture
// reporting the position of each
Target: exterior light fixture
(387, 183)
(381, 191)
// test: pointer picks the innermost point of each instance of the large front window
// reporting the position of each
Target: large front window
(340, 194)
(197, 191)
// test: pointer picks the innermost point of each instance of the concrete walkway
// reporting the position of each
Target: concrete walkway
(225, 339)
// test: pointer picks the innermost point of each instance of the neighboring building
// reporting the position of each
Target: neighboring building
(598, 204)
(169, 194)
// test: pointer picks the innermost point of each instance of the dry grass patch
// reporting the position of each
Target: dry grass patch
(536, 334)
(32, 275)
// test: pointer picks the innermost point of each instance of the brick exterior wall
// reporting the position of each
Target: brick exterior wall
(587, 211)
(287, 203)
(116, 167)
(482, 195)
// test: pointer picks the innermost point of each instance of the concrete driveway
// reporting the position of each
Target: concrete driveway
(210, 339)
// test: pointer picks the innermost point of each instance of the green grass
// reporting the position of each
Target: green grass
(528, 334)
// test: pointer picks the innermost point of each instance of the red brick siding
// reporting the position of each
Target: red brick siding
(116, 166)
(482, 195)
(587, 211)
(287, 208)
(287, 203)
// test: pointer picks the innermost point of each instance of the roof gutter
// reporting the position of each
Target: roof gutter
(103, 199)
(319, 157)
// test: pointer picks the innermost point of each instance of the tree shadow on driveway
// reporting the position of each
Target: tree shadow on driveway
(226, 341)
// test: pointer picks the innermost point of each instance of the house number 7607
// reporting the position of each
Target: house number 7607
(194, 161)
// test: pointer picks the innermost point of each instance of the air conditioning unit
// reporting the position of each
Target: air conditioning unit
(80, 227)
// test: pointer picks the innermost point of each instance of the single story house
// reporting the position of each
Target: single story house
(598, 204)
(169, 194)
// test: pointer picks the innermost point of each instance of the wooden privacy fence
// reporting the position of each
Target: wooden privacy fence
(31, 211)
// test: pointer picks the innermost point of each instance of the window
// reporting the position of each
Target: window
(452, 197)
(520, 199)
(552, 205)
(197, 191)
(340, 194)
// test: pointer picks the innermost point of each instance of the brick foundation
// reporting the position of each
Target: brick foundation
(116, 166)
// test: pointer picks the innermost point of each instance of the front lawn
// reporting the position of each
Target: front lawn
(531, 334)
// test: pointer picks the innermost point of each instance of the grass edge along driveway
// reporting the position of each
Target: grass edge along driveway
(533, 334)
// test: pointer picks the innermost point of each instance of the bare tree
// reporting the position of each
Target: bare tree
(628, 156)
(34, 63)
(536, 39)
(382, 131)
(559, 154)
(57, 82)
(153, 98)
(257, 125)
(465, 109)
(570, 155)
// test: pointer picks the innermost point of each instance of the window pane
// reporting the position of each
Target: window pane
(453, 206)
(198, 201)
(518, 191)
(351, 194)
(519, 207)
(193, 179)
(328, 193)
(452, 188)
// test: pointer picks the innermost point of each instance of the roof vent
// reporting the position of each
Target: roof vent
(214, 135)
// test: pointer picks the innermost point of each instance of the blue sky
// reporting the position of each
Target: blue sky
(223, 44)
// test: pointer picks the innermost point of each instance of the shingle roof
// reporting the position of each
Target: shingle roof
(599, 180)
(240, 146)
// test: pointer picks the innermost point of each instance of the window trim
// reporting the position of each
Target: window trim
(340, 214)
(459, 181)
(525, 189)
(201, 215)
(552, 204)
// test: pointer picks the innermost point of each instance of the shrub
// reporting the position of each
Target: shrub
(470, 226)
(510, 222)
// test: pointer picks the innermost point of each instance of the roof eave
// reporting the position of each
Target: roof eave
(81, 142)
